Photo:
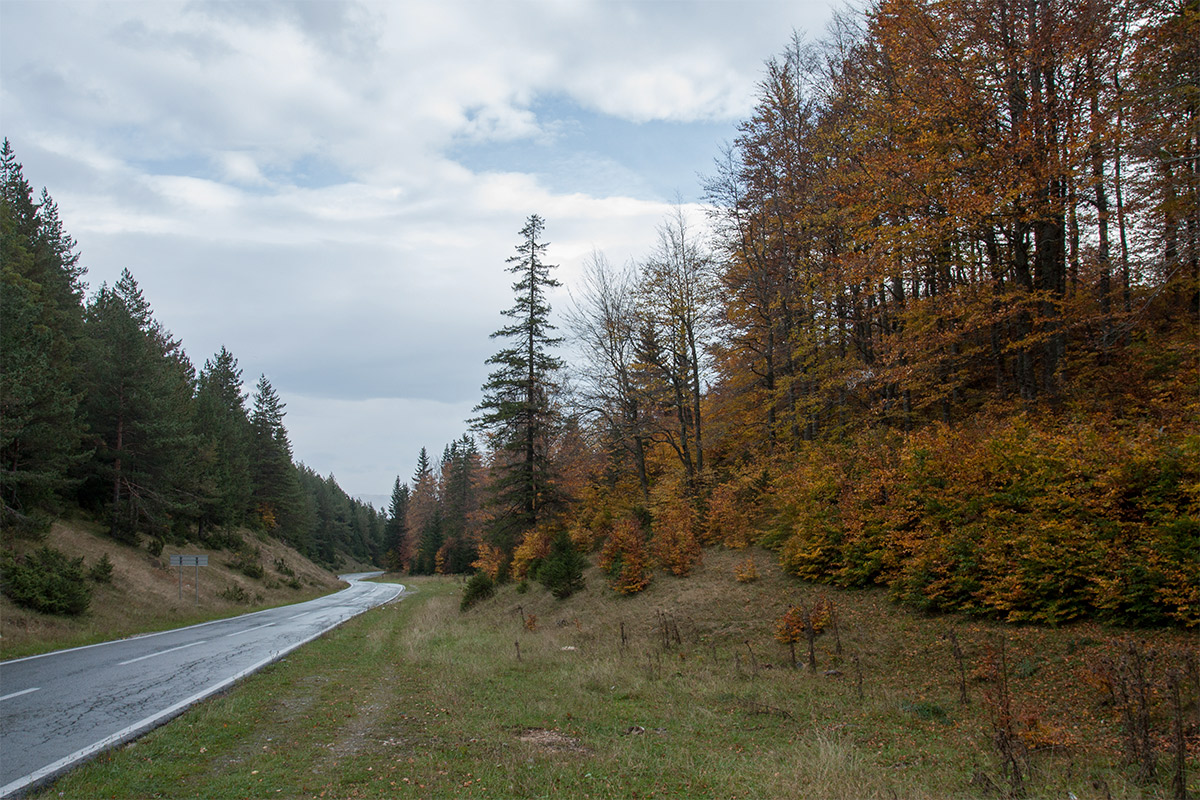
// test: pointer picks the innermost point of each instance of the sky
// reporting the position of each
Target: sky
(330, 189)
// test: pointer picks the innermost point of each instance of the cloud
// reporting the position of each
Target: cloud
(331, 189)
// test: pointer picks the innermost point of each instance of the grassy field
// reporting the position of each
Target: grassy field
(681, 691)
(145, 593)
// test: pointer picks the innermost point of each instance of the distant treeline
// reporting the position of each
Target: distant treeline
(101, 409)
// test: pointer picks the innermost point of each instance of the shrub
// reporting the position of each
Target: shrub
(33, 526)
(235, 593)
(533, 549)
(479, 588)
(46, 580)
(733, 510)
(102, 570)
(491, 560)
(624, 557)
(926, 710)
(1027, 520)
(223, 539)
(676, 545)
(745, 571)
(248, 562)
(561, 572)
(123, 524)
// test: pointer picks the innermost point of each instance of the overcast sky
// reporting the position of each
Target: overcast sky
(330, 189)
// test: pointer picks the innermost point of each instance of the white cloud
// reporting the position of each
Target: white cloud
(194, 195)
(240, 168)
(281, 176)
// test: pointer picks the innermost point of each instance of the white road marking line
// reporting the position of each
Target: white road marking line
(53, 653)
(18, 694)
(140, 727)
(160, 653)
(248, 630)
(298, 616)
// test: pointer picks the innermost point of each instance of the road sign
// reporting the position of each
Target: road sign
(181, 561)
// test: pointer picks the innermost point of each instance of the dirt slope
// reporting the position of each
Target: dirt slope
(145, 592)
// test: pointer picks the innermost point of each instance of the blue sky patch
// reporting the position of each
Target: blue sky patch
(598, 154)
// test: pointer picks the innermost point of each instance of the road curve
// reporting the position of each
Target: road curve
(61, 708)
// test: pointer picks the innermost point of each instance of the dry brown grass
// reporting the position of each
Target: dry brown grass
(145, 590)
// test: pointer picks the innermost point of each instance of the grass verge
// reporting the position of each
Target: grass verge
(681, 691)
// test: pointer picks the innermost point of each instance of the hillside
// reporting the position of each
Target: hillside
(145, 592)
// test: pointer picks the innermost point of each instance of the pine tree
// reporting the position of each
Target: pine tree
(425, 518)
(396, 544)
(276, 483)
(516, 411)
(224, 431)
(42, 317)
(459, 502)
(139, 409)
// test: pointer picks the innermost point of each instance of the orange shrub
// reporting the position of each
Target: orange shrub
(535, 544)
(624, 557)
(745, 571)
(734, 511)
(675, 545)
(491, 560)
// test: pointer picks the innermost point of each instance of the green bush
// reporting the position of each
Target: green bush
(102, 570)
(235, 593)
(926, 710)
(33, 526)
(562, 570)
(479, 588)
(46, 580)
(222, 539)
(248, 562)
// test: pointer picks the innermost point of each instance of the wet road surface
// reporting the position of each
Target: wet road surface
(61, 708)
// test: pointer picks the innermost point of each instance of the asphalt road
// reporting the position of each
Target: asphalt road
(61, 708)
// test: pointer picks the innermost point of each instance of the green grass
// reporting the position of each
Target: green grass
(416, 699)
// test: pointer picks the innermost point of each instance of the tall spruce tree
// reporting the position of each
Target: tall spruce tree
(276, 496)
(396, 544)
(461, 467)
(224, 455)
(425, 517)
(516, 411)
(139, 409)
(41, 319)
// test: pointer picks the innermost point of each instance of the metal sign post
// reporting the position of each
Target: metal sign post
(182, 561)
